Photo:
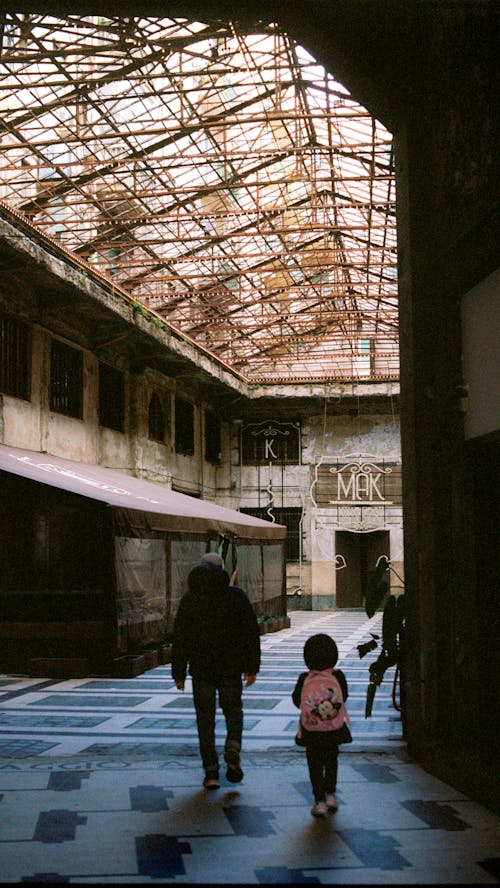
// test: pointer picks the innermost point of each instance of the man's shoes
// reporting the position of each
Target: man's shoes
(232, 759)
(319, 809)
(331, 801)
(211, 780)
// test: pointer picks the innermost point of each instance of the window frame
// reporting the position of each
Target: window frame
(157, 421)
(66, 373)
(15, 357)
(213, 436)
(293, 547)
(111, 397)
(284, 436)
(184, 426)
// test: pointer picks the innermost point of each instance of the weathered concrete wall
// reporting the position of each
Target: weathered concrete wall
(33, 426)
(312, 582)
(21, 424)
(151, 459)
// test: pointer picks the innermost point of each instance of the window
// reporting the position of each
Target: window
(184, 427)
(291, 519)
(15, 358)
(212, 436)
(271, 442)
(66, 380)
(156, 419)
(111, 398)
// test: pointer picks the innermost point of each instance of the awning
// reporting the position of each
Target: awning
(147, 502)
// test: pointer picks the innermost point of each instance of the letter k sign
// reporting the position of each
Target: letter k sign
(269, 452)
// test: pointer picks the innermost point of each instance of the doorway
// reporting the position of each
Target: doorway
(360, 552)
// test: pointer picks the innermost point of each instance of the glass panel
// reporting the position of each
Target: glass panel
(224, 179)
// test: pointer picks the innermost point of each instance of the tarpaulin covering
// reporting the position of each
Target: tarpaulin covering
(260, 572)
(149, 505)
(156, 534)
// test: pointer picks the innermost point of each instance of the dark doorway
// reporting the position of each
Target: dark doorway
(360, 552)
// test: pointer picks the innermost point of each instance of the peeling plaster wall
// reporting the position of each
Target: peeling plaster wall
(343, 435)
(31, 425)
(21, 421)
(152, 460)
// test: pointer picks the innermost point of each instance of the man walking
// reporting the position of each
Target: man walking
(216, 635)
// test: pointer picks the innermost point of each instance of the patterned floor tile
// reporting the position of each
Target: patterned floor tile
(100, 782)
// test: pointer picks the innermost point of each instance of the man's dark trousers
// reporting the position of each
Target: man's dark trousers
(204, 696)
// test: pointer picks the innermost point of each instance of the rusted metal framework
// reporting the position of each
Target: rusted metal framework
(223, 178)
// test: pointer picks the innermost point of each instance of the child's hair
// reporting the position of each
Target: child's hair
(320, 652)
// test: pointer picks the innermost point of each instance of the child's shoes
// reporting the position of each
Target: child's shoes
(331, 801)
(319, 809)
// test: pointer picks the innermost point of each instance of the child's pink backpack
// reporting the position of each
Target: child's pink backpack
(322, 707)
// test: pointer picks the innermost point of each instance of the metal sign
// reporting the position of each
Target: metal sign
(270, 442)
(357, 481)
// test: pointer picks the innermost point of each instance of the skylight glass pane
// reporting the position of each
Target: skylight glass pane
(225, 179)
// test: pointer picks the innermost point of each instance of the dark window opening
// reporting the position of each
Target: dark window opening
(184, 427)
(15, 358)
(212, 437)
(291, 519)
(111, 398)
(53, 540)
(156, 419)
(66, 380)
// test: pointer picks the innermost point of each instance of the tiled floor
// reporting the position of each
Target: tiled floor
(100, 782)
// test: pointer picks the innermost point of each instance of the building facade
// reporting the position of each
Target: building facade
(330, 474)
(335, 481)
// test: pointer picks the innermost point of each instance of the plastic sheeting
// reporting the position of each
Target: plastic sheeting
(260, 572)
(272, 556)
(134, 564)
(185, 554)
(152, 570)
(146, 614)
(141, 591)
(250, 574)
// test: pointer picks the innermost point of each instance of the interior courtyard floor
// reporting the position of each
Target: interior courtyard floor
(101, 782)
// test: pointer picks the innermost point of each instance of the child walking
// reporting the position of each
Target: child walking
(320, 694)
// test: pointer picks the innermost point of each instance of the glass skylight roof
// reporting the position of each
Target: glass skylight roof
(224, 179)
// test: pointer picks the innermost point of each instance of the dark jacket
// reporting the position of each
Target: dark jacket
(217, 635)
(315, 738)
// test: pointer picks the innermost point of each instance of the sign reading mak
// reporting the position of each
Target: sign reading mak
(363, 481)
